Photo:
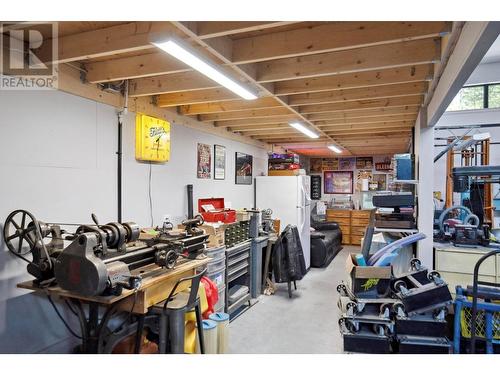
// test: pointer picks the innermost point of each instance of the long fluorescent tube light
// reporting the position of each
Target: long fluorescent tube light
(335, 149)
(182, 53)
(301, 128)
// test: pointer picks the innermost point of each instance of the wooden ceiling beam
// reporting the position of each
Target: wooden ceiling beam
(375, 92)
(413, 73)
(366, 121)
(367, 58)
(380, 125)
(129, 37)
(332, 36)
(364, 113)
(254, 121)
(219, 49)
(229, 106)
(195, 97)
(215, 29)
(362, 104)
(147, 65)
(366, 132)
(247, 114)
(170, 83)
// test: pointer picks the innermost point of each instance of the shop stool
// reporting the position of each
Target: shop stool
(171, 316)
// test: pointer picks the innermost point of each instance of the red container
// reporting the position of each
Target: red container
(220, 213)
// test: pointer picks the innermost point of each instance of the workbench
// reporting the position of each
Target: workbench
(96, 336)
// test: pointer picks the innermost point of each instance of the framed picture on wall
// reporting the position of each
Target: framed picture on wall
(243, 168)
(337, 182)
(219, 162)
(204, 161)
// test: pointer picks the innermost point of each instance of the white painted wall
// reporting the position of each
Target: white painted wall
(57, 160)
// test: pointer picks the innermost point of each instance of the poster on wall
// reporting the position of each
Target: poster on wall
(365, 162)
(243, 168)
(330, 164)
(219, 162)
(363, 179)
(204, 161)
(316, 187)
(347, 164)
(316, 165)
(338, 182)
(381, 180)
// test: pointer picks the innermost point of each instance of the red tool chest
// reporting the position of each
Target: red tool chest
(220, 213)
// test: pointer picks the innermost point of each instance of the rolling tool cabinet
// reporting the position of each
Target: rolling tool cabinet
(238, 278)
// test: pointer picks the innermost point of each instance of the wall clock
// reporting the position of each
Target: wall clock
(152, 139)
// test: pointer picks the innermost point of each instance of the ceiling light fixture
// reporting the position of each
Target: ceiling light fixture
(335, 149)
(177, 50)
(301, 128)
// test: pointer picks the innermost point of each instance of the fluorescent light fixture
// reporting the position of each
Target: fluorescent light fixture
(335, 149)
(177, 50)
(301, 128)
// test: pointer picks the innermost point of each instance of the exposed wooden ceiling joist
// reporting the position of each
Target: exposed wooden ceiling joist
(362, 121)
(133, 36)
(220, 51)
(414, 73)
(361, 113)
(366, 58)
(254, 121)
(147, 65)
(330, 37)
(170, 83)
(376, 92)
(251, 113)
(195, 97)
(229, 106)
(362, 104)
(214, 29)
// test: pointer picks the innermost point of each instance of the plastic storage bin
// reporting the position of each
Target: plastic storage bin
(216, 253)
(221, 302)
(218, 276)
(216, 264)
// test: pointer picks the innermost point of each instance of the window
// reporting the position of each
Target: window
(468, 98)
(476, 97)
(494, 96)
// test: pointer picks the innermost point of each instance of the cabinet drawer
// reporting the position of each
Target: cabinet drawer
(346, 229)
(358, 231)
(338, 213)
(359, 221)
(346, 239)
(462, 262)
(362, 214)
(341, 220)
(356, 240)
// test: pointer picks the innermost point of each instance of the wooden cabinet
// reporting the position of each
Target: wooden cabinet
(352, 223)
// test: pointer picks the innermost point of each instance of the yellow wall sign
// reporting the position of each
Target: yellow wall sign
(152, 139)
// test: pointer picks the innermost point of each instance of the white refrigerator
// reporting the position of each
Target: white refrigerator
(289, 198)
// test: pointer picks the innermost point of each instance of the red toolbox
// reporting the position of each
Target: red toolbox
(218, 213)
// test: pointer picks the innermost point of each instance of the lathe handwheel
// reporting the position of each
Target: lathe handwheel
(171, 259)
(20, 225)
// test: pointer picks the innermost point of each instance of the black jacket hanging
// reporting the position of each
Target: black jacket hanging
(288, 257)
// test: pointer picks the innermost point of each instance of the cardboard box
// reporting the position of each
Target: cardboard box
(215, 234)
(368, 281)
(292, 172)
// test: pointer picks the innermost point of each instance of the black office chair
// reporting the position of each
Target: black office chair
(171, 313)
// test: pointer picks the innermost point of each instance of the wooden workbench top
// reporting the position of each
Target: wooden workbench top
(156, 280)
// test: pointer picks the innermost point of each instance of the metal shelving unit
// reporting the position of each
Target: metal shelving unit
(238, 272)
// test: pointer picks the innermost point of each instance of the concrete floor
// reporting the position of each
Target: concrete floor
(307, 323)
